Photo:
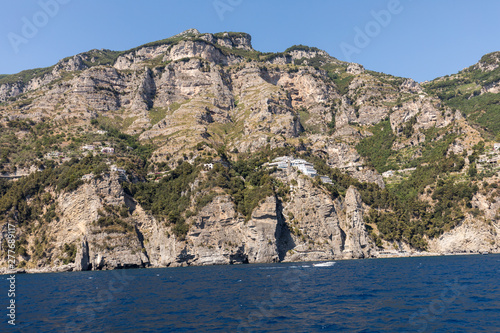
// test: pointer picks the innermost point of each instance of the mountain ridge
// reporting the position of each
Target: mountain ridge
(156, 156)
(9, 78)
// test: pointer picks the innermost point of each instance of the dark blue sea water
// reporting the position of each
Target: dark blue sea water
(428, 294)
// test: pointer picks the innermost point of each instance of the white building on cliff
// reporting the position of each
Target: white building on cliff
(285, 162)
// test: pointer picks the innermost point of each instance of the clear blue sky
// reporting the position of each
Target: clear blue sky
(421, 39)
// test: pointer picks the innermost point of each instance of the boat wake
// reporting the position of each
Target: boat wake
(325, 264)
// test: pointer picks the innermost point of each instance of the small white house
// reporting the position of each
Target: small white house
(208, 166)
(305, 167)
(496, 146)
(286, 162)
(88, 147)
(283, 162)
(114, 168)
(326, 179)
(108, 150)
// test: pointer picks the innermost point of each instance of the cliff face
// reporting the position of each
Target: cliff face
(198, 85)
(310, 226)
(97, 247)
(195, 97)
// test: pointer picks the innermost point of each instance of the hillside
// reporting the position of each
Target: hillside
(159, 156)
(474, 91)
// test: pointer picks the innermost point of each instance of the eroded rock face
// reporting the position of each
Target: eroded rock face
(319, 227)
(97, 248)
(493, 88)
(409, 85)
(355, 69)
(82, 262)
(310, 226)
(469, 237)
(202, 93)
(489, 62)
(356, 242)
(219, 236)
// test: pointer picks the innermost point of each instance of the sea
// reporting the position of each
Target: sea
(417, 294)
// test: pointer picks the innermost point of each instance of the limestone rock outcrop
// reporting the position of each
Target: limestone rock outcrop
(205, 96)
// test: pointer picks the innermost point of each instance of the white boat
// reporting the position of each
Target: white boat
(325, 264)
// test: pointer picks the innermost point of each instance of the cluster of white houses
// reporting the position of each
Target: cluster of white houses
(104, 150)
(59, 155)
(287, 162)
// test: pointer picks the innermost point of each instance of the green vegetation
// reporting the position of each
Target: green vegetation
(483, 110)
(125, 143)
(111, 221)
(158, 113)
(25, 76)
(378, 152)
(231, 34)
(100, 57)
(40, 249)
(246, 182)
(342, 80)
(394, 81)
(69, 251)
(169, 198)
(463, 92)
(301, 47)
(378, 148)
(65, 177)
(397, 211)
(409, 218)
(56, 175)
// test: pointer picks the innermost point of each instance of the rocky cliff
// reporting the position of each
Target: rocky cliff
(202, 99)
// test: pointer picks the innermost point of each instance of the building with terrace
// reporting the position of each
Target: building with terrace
(287, 162)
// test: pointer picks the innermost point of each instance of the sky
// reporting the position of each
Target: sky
(421, 39)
